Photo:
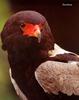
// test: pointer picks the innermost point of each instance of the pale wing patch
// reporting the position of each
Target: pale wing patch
(58, 76)
(18, 91)
(57, 50)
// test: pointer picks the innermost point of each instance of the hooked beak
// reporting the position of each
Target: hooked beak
(37, 34)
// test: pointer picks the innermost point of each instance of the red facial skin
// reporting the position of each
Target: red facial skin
(31, 29)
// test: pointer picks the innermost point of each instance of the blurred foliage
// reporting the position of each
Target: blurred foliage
(4, 12)
(6, 92)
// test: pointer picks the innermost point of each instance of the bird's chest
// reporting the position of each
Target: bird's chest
(24, 73)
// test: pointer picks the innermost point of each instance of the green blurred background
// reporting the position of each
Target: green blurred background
(6, 89)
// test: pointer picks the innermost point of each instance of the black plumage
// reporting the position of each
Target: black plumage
(25, 54)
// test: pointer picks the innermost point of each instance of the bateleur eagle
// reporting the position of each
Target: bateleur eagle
(39, 68)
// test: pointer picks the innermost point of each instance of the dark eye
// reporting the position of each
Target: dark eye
(22, 25)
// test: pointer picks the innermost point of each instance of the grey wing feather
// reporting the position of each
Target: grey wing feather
(55, 76)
